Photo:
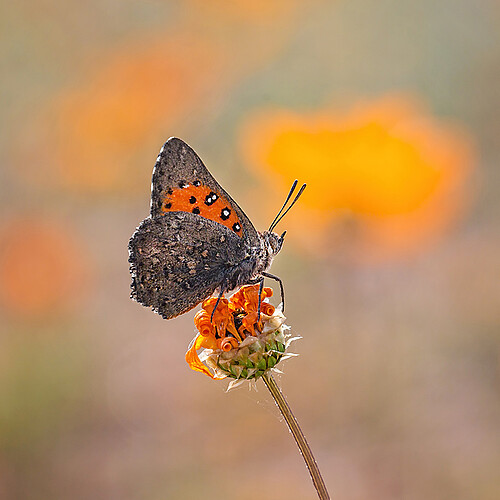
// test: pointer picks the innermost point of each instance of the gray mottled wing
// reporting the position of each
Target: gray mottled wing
(176, 164)
(179, 259)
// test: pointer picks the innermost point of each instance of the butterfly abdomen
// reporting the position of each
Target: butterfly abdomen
(239, 274)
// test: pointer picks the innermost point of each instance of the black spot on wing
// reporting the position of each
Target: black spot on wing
(225, 213)
(211, 198)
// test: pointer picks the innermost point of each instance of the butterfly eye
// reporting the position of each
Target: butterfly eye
(196, 183)
(280, 240)
(183, 184)
(224, 215)
(236, 227)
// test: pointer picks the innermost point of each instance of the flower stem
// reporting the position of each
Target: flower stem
(298, 435)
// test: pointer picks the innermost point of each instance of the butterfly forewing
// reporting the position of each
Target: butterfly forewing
(179, 259)
(182, 183)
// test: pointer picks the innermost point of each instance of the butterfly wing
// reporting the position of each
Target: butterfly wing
(182, 183)
(179, 259)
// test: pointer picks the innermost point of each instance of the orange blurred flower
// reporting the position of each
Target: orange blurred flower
(98, 136)
(235, 344)
(387, 166)
(255, 11)
(42, 268)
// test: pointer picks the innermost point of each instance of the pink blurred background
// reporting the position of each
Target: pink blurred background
(388, 110)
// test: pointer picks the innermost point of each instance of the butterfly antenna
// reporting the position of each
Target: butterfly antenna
(292, 189)
(277, 220)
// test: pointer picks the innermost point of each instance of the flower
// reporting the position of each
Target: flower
(94, 137)
(43, 267)
(235, 342)
(241, 345)
(386, 176)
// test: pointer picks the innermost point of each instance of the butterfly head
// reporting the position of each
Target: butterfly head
(273, 242)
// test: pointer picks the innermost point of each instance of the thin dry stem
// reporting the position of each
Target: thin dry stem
(298, 435)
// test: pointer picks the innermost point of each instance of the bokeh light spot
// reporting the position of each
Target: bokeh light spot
(100, 136)
(42, 268)
(388, 166)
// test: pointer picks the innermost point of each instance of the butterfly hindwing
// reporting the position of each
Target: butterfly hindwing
(182, 183)
(179, 259)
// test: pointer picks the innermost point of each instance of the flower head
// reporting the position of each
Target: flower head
(235, 342)
(43, 266)
(385, 178)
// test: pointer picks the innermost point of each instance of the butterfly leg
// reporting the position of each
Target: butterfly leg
(282, 292)
(217, 304)
(261, 287)
(259, 280)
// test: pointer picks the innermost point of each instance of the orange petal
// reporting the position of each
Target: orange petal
(203, 324)
(228, 343)
(193, 360)
(231, 328)
(209, 304)
(267, 309)
(248, 322)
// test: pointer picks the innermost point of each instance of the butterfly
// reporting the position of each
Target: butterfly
(196, 239)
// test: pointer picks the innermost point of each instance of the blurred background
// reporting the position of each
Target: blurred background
(388, 110)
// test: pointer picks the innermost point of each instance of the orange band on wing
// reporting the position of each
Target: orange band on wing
(201, 200)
